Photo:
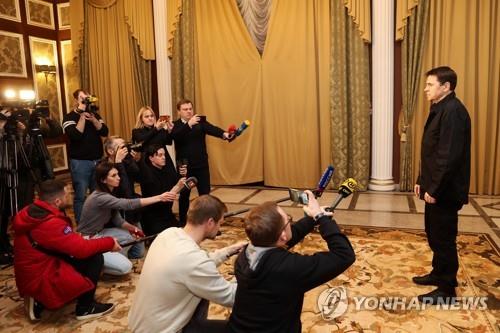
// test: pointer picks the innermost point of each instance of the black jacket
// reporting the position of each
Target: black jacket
(270, 298)
(150, 135)
(445, 157)
(190, 142)
(86, 145)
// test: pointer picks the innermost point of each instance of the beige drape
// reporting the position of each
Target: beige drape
(296, 96)
(411, 67)
(111, 71)
(350, 99)
(139, 18)
(360, 11)
(229, 90)
(465, 34)
(256, 15)
(403, 11)
(174, 12)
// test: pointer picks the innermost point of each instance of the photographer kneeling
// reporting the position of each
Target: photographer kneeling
(271, 280)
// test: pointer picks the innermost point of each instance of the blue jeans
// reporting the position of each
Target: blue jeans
(116, 263)
(83, 178)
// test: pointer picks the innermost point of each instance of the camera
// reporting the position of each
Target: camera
(19, 111)
(298, 196)
(90, 105)
(133, 146)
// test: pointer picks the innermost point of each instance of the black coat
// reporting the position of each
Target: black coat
(445, 157)
(269, 298)
(190, 142)
(150, 135)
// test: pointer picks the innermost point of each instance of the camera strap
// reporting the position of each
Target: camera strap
(51, 253)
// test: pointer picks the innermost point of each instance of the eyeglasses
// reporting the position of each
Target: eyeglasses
(289, 220)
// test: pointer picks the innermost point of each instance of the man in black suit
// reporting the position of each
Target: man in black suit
(443, 181)
(189, 136)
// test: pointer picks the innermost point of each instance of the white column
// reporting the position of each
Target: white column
(163, 74)
(382, 92)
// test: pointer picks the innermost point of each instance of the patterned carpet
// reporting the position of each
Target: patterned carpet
(386, 261)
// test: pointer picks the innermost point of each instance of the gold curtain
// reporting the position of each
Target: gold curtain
(139, 17)
(360, 11)
(411, 67)
(174, 12)
(183, 61)
(229, 90)
(465, 34)
(142, 73)
(295, 86)
(77, 19)
(350, 99)
(403, 11)
(111, 70)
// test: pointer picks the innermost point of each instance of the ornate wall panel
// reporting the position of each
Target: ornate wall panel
(58, 156)
(63, 20)
(12, 57)
(9, 10)
(47, 85)
(71, 73)
(40, 13)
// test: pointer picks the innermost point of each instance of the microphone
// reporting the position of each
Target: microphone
(346, 188)
(242, 127)
(231, 129)
(323, 181)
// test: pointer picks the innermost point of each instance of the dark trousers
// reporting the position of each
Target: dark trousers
(203, 186)
(91, 268)
(200, 324)
(441, 224)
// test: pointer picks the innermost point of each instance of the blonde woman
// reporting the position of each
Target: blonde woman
(149, 131)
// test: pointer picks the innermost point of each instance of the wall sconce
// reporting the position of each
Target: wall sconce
(46, 69)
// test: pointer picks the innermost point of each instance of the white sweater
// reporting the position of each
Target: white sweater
(176, 275)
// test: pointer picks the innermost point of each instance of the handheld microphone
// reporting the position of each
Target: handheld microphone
(231, 129)
(323, 181)
(242, 127)
(346, 188)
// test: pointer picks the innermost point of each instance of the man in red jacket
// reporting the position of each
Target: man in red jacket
(54, 265)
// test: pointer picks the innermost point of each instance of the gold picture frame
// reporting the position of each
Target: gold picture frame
(40, 13)
(12, 53)
(58, 156)
(9, 10)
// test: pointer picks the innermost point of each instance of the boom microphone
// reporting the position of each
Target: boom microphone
(323, 181)
(346, 188)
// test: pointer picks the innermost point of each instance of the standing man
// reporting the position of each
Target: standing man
(179, 278)
(189, 135)
(84, 129)
(272, 280)
(443, 182)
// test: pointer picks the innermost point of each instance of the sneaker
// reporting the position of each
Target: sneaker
(33, 308)
(93, 311)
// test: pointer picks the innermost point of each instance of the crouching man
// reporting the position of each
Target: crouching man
(271, 280)
(52, 264)
(179, 279)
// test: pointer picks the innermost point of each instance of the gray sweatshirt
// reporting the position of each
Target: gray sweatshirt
(102, 207)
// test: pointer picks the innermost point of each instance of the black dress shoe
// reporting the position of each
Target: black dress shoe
(425, 280)
(439, 296)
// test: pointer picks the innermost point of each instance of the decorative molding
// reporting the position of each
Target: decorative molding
(63, 18)
(46, 89)
(9, 10)
(58, 156)
(40, 14)
(12, 54)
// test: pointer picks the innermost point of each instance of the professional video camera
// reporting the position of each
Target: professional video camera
(90, 105)
(19, 111)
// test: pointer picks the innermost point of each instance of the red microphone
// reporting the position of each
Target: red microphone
(232, 132)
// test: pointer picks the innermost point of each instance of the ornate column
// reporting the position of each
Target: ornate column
(162, 60)
(382, 91)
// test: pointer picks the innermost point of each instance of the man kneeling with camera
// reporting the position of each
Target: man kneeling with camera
(271, 280)
(54, 265)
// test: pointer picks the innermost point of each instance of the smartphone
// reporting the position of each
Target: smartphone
(165, 117)
(203, 119)
(298, 196)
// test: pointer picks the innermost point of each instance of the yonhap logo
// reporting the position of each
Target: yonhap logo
(332, 302)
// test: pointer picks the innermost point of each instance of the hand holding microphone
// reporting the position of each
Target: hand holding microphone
(234, 132)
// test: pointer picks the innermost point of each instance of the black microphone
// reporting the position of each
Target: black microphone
(323, 181)
(346, 188)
